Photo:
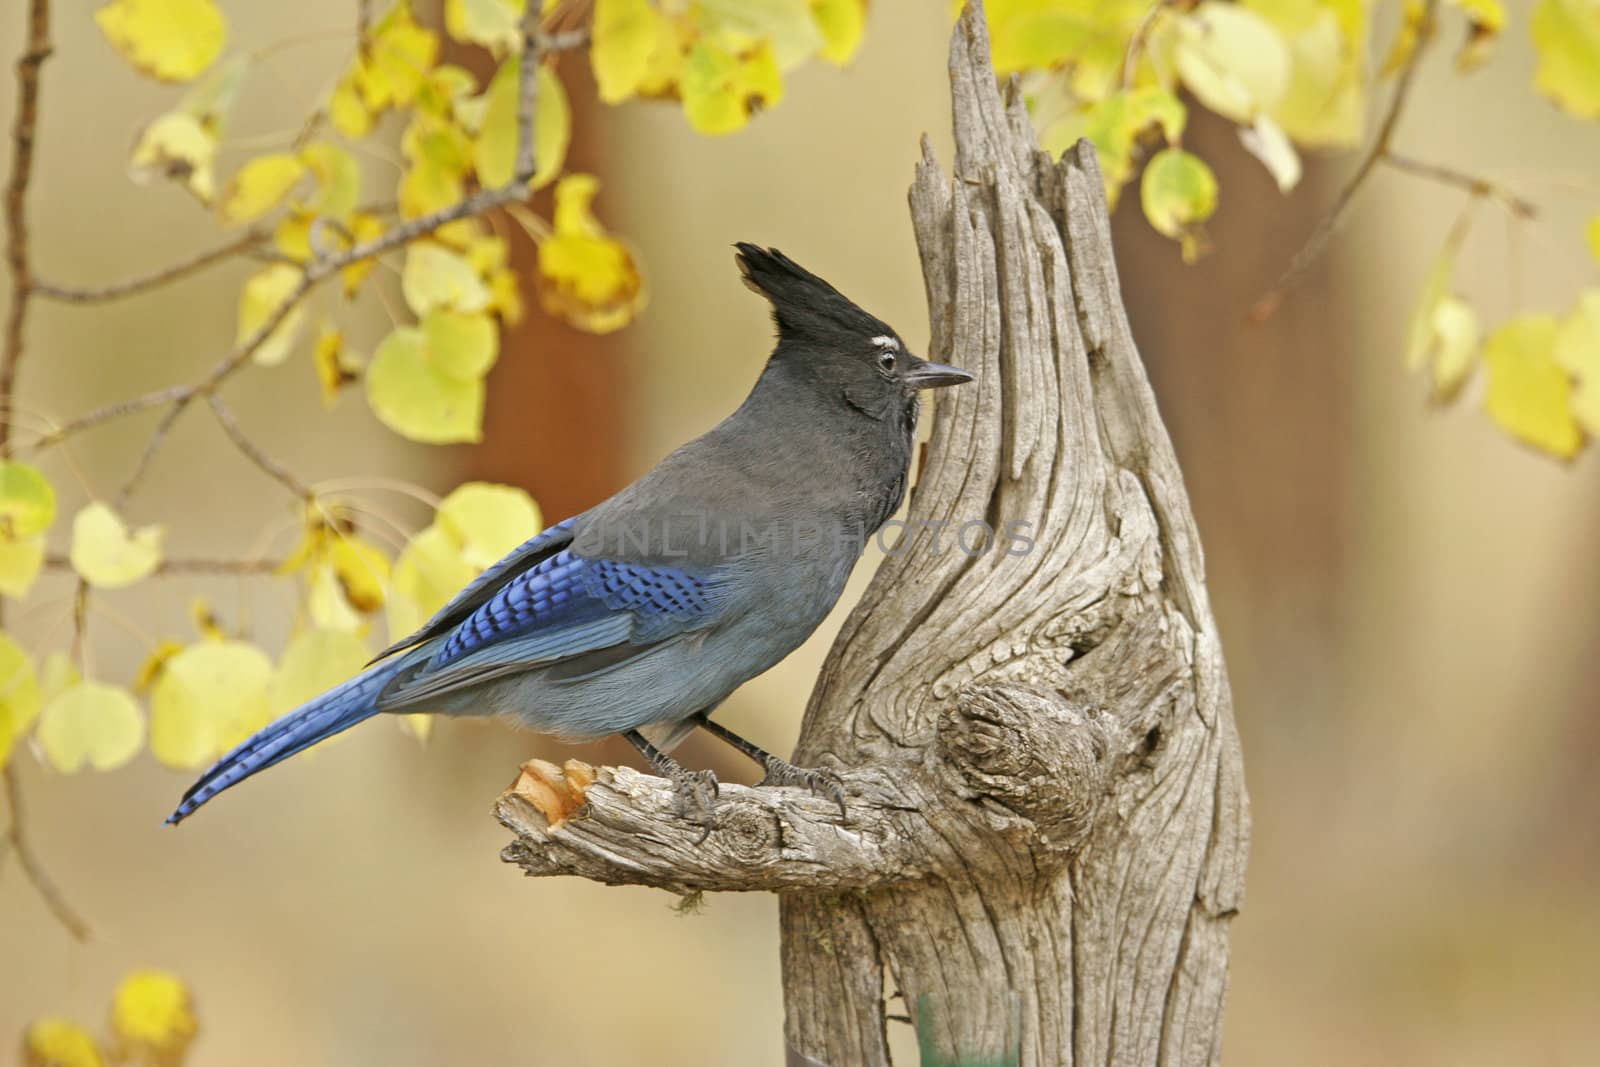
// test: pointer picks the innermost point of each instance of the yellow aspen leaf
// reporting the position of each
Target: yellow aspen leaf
(338, 178)
(21, 560)
(400, 54)
(1117, 125)
(721, 90)
(326, 603)
(1455, 326)
(59, 1043)
(57, 674)
(1592, 231)
(315, 661)
(259, 186)
(1266, 140)
(1325, 100)
(413, 397)
(1232, 60)
(152, 1015)
(362, 570)
(90, 724)
(210, 697)
(435, 277)
(463, 347)
(487, 254)
(173, 40)
(626, 33)
(155, 663)
(430, 570)
(109, 556)
(1089, 35)
(177, 146)
(1178, 194)
(1566, 36)
(443, 91)
(488, 520)
(439, 141)
(495, 24)
(363, 228)
(335, 366)
(1422, 333)
(19, 695)
(495, 150)
(787, 27)
(267, 290)
(426, 187)
(842, 22)
(1530, 394)
(27, 500)
(1577, 351)
(1485, 20)
(347, 109)
(586, 277)
(292, 235)
(505, 297)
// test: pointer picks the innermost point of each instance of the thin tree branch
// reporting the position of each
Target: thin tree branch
(153, 399)
(190, 566)
(1318, 241)
(528, 94)
(28, 860)
(1518, 206)
(24, 131)
(91, 294)
(253, 452)
(152, 446)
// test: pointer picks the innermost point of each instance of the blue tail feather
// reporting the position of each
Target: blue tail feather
(333, 712)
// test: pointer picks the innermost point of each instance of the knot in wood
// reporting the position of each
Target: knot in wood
(748, 834)
(1040, 755)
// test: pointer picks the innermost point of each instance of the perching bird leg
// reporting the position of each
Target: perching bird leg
(780, 771)
(695, 789)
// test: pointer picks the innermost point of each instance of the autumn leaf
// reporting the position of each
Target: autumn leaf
(259, 186)
(152, 1015)
(586, 277)
(1530, 394)
(59, 1043)
(414, 396)
(1566, 36)
(1576, 350)
(209, 697)
(19, 696)
(315, 661)
(90, 724)
(106, 554)
(173, 40)
(1178, 194)
(487, 521)
(495, 150)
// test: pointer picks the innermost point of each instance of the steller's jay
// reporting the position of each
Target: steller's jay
(645, 612)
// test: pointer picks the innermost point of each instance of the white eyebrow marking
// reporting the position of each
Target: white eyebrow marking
(886, 342)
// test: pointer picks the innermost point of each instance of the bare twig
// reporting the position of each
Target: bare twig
(190, 566)
(24, 130)
(253, 452)
(152, 446)
(527, 94)
(1318, 241)
(91, 294)
(153, 399)
(28, 860)
(1518, 206)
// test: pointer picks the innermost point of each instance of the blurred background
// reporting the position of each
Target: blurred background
(1407, 598)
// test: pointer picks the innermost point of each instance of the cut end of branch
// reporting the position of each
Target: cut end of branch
(557, 793)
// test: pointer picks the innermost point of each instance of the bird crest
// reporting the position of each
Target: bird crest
(806, 308)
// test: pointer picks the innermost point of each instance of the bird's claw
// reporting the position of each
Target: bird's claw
(696, 793)
(818, 781)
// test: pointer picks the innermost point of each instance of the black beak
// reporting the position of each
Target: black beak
(925, 375)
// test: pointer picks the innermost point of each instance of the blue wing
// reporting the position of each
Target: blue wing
(566, 612)
(536, 549)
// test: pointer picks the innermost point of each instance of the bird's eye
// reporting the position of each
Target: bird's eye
(886, 361)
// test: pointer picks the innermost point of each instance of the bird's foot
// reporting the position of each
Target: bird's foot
(696, 790)
(696, 793)
(818, 781)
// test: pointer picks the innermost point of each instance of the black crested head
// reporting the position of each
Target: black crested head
(806, 308)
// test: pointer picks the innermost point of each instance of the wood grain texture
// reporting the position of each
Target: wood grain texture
(1045, 789)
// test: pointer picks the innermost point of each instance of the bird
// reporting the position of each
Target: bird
(641, 615)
